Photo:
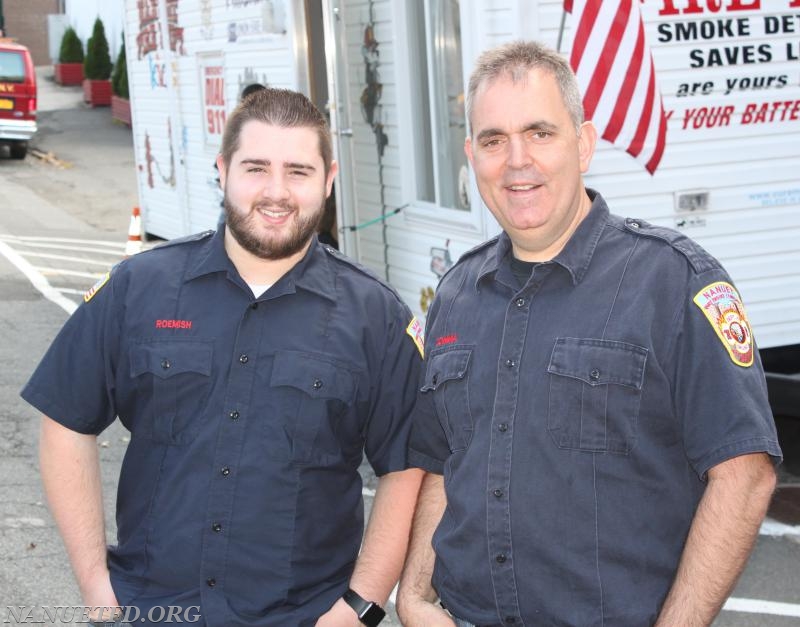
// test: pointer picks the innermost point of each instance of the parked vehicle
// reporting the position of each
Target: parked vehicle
(17, 97)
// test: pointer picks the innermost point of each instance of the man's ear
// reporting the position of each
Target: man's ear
(587, 140)
(332, 172)
(468, 149)
(222, 171)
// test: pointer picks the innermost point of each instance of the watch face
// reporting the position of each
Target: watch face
(373, 615)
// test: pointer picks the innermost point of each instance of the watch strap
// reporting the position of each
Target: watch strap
(368, 612)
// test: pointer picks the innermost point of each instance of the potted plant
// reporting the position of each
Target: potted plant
(69, 69)
(120, 99)
(97, 68)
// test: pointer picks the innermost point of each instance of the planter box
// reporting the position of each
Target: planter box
(97, 93)
(121, 109)
(68, 73)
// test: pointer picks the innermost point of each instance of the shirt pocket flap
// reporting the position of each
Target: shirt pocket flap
(165, 359)
(599, 362)
(313, 374)
(446, 366)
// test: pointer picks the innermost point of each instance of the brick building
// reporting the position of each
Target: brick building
(26, 21)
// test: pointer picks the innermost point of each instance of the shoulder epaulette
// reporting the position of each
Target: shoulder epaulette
(195, 237)
(470, 253)
(352, 263)
(695, 254)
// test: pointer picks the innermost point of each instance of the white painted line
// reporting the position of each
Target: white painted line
(37, 280)
(57, 272)
(105, 264)
(757, 606)
(65, 240)
(367, 492)
(84, 249)
(774, 528)
(69, 290)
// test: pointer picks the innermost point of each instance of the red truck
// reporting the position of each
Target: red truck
(17, 97)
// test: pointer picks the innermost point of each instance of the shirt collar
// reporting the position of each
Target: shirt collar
(576, 255)
(312, 273)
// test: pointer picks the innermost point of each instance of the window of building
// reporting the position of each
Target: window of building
(437, 93)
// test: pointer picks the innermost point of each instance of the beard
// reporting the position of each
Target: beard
(244, 230)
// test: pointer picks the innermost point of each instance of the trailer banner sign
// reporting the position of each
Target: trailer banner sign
(726, 63)
(212, 84)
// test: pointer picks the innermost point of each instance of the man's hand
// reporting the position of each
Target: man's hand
(98, 593)
(340, 615)
(421, 613)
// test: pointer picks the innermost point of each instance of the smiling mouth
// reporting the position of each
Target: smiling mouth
(272, 213)
(522, 188)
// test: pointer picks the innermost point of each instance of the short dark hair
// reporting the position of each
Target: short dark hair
(277, 107)
(251, 89)
(515, 60)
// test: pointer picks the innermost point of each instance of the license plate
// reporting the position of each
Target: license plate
(6, 104)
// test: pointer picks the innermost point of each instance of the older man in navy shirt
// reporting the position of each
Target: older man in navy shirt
(593, 413)
(253, 367)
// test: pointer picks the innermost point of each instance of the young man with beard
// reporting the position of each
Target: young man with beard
(254, 367)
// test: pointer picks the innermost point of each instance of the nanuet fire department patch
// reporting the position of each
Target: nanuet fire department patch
(722, 306)
(96, 287)
(417, 333)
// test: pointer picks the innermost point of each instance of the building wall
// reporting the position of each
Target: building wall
(26, 21)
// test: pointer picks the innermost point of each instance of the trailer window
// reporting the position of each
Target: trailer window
(439, 89)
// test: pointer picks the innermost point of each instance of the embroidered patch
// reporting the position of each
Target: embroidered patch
(722, 306)
(96, 287)
(417, 333)
(446, 339)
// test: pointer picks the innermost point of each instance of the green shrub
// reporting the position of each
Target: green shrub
(97, 63)
(71, 47)
(119, 79)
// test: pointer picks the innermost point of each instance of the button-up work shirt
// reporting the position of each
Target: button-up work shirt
(574, 419)
(249, 417)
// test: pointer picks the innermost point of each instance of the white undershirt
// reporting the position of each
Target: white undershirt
(259, 288)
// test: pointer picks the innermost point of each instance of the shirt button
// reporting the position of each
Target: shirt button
(216, 527)
(502, 427)
(234, 415)
(498, 493)
(165, 364)
(225, 471)
(500, 559)
(317, 384)
(520, 302)
(243, 359)
(211, 582)
(254, 306)
(510, 620)
(510, 363)
(594, 375)
(633, 224)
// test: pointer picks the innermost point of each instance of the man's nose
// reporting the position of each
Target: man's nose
(519, 152)
(276, 187)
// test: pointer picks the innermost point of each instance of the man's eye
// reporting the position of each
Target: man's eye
(491, 143)
(300, 173)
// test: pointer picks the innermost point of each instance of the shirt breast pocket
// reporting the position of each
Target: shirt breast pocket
(595, 392)
(312, 394)
(447, 378)
(175, 376)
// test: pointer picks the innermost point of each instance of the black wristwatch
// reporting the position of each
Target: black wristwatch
(369, 613)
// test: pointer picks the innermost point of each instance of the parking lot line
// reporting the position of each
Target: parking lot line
(757, 606)
(37, 279)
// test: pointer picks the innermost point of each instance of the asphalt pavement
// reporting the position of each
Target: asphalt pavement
(64, 218)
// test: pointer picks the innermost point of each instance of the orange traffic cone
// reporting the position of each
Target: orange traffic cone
(134, 244)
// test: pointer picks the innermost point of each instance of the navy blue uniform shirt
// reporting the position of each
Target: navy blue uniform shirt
(574, 419)
(249, 418)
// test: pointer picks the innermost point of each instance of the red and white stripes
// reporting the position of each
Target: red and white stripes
(616, 75)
